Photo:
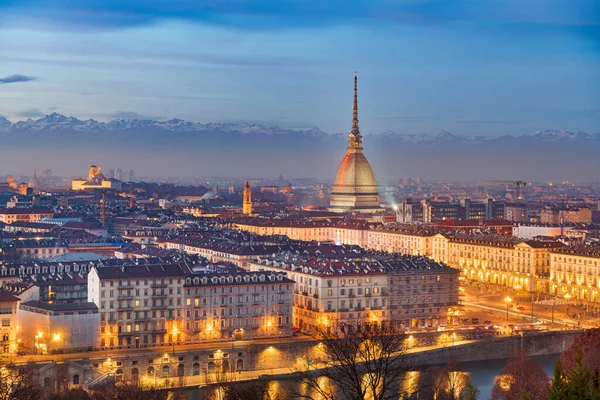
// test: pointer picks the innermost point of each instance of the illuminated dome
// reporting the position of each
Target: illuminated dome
(34, 182)
(354, 186)
(354, 171)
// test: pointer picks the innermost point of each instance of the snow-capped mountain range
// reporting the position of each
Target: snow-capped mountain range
(56, 122)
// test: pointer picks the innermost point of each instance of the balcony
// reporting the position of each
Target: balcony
(359, 309)
(158, 285)
(316, 296)
(351, 295)
(368, 294)
(304, 293)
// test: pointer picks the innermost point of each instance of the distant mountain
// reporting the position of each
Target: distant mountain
(178, 147)
(56, 122)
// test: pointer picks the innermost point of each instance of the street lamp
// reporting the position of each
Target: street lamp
(507, 300)
(38, 339)
(173, 336)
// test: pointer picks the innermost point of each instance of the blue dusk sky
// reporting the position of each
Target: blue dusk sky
(486, 67)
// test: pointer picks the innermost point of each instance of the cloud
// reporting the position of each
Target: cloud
(33, 113)
(53, 108)
(16, 78)
(132, 115)
(281, 14)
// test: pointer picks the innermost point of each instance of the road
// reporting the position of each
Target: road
(493, 302)
(167, 348)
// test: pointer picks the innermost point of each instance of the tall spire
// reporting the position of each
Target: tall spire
(355, 138)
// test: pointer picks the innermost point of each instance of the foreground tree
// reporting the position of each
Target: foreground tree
(131, 392)
(588, 345)
(364, 361)
(17, 383)
(580, 384)
(446, 383)
(258, 389)
(521, 378)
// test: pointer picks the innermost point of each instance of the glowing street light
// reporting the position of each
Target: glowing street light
(174, 332)
(507, 299)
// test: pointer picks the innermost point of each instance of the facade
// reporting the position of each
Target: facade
(531, 231)
(53, 327)
(516, 212)
(95, 180)
(409, 211)
(236, 304)
(360, 288)
(33, 214)
(9, 324)
(354, 186)
(40, 249)
(498, 260)
(157, 305)
(139, 305)
(575, 273)
(557, 215)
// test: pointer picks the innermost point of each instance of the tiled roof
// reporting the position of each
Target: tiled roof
(144, 271)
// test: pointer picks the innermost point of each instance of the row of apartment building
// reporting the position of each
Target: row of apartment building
(542, 266)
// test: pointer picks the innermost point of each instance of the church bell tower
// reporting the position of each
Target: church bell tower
(247, 203)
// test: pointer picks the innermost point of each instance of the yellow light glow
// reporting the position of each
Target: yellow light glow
(56, 337)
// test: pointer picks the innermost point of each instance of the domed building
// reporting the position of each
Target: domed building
(354, 187)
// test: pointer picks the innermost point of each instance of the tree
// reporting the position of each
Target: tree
(559, 388)
(129, 392)
(580, 384)
(588, 343)
(364, 360)
(447, 383)
(70, 394)
(17, 383)
(521, 377)
(258, 389)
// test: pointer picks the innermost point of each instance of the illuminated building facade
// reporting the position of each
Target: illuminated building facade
(50, 327)
(363, 289)
(154, 305)
(96, 180)
(519, 264)
(33, 214)
(237, 304)
(140, 306)
(575, 273)
(8, 318)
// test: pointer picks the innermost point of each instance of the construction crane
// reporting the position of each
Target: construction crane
(518, 185)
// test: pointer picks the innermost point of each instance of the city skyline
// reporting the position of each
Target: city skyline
(470, 68)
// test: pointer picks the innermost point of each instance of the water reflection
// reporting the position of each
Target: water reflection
(482, 374)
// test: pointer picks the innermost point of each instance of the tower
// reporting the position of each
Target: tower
(247, 204)
(354, 187)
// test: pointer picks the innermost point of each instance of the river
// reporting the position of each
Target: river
(482, 375)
